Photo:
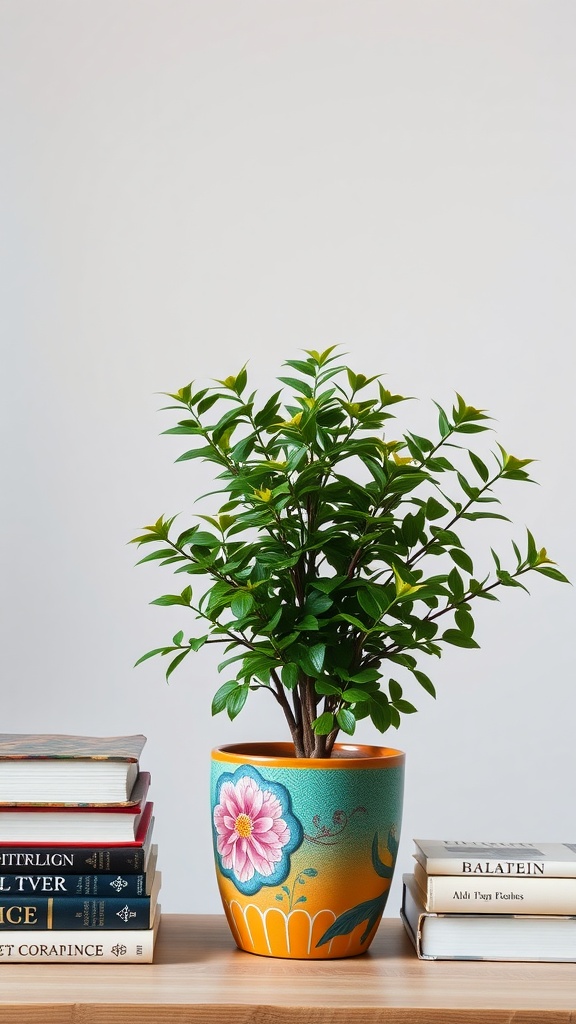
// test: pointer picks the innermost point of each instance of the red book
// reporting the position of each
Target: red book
(45, 824)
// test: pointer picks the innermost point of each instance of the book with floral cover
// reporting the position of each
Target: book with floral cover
(66, 769)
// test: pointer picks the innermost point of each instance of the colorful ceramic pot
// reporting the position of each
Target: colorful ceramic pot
(305, 849)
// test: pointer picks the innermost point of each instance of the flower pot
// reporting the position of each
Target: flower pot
(305, 849)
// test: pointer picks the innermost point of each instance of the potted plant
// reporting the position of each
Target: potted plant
(334, 568)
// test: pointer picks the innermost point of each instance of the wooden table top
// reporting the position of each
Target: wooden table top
(199, 975)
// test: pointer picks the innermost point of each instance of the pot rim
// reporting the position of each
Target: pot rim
(281, 755)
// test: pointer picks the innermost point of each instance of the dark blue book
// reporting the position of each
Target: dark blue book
(62, 885)
(73, 912)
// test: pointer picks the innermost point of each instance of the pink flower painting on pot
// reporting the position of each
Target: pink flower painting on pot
(255, 830)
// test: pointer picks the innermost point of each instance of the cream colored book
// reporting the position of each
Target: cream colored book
(489, 894)
(461, 857)
(87, 947)
(485, 936)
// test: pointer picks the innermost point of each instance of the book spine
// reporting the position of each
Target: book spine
(66, 946)
(125, 860)
(471, 868)
(452, 894)
(73, 885)
(74, 913)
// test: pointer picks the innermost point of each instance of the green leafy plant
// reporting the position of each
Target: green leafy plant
(335, 561)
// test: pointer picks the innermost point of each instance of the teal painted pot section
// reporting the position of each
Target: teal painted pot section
(305, 849)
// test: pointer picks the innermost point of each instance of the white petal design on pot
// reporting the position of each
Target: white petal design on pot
(295, 933)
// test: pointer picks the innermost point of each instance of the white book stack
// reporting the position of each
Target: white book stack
(492, 901)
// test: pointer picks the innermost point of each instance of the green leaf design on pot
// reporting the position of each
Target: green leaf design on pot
(369, 910)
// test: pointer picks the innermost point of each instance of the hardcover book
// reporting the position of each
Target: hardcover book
(81, 858)
(455, 857)
(76, 913)
(494, 894)
(485, 936)
(75, 824)
(62, 885)
(60, 769)
(92, 946)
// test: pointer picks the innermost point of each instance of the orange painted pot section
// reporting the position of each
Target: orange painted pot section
(305, 849)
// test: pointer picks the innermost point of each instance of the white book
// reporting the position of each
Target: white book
(496, 894)
(46, 825)
(19, 946)
(53, 768)
(458, 857)
(485, 936)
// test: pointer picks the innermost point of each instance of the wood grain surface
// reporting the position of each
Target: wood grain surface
(199, 975)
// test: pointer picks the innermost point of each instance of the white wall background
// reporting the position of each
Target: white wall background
(187, 185)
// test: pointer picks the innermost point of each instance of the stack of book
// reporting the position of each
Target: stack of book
(78, 878)
(492, 901)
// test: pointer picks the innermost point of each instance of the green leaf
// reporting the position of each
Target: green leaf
(473, 516)
(316, 656)
(380, 715)
(242, 604)
(178, 638)
(379, 866)
(197, 642)
(316, 603)
(236, 701)
(290, 674)
(367, 675)
(298, 385)
(157, 555)
(532, 549)
(464, 621)
(425, 682)
(411, 529)
(350, 919)
(151, 654)
(324, 724)
(552, 573)
(327, 689)
(456, 584)
(176, 661)
(307, 623)
(458, 639)
(169, 599)
(395, 690)
(346, 721)
(369, 603)
(204, 539)
(353, 694)
(462, 560)
(443, 423)
(395, 720)
(405, 707)
(220, 698)
(353, 621)
(479, 466)
(434, 510)
(301, 366)
(423, 443)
